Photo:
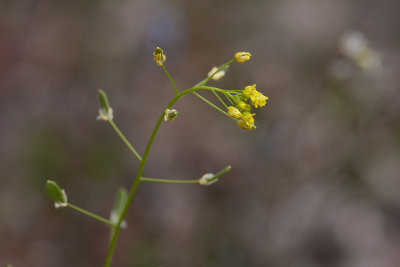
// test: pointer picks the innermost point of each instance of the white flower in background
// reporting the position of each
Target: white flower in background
(218, 75)
(354, 46)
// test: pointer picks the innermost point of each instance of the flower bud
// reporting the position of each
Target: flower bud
(217, 75)
(105, 111)
(243, 106)
(116, 212)
(57, 194)
(242, 56)
(170, 114)
(158, 56)
(234, 112)
(207, 179)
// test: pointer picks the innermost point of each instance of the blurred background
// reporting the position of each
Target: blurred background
(316, 184)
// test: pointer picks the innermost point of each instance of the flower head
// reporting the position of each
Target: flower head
(170, 114)
(248, 117)
(242, 56)
(248, 90)
(247, 121)
(217, 75)
(234, 112)
(257, 98)
(159, 56)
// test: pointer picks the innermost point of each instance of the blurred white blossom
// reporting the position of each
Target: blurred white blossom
(354, 46)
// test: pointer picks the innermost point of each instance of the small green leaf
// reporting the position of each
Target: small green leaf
(55, 192)
(9, 265)
(103, 100)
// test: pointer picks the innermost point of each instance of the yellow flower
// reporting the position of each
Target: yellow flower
(234, 112)
(258, 99)
(242, 124)
(217, 75)
(159, 56)
(242, 56)
(247, 121)
(248, 90)
(248, 117)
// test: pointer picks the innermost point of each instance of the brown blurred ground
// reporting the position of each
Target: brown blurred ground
(316, 184)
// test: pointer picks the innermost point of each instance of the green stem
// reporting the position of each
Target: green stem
(127, 143)
(229, 97)
(156, 180)
(211, 104)
(223, 103)
(170, 79)
(139, 173)
(90, 214)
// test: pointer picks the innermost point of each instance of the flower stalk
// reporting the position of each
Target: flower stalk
(237, 109)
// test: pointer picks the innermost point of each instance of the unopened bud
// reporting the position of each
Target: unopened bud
(57, 194)
(242, 56)
(207, 179)
(158, 56)
(105, 111)
(170, 114)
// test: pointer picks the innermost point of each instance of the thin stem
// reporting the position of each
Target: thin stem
(170, 79)
(223, 103)
(156, 180)
(90, 214)
(229, 97)
(127, 143)
(136, 182)
(211, 104)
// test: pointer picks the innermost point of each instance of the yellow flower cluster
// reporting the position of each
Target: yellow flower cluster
(257, 98)
(241, 110)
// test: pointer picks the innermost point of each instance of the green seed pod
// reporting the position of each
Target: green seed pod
(56, 193)
(103, 100)
(120, 201)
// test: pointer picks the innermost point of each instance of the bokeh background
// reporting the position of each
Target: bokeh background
(316, 184)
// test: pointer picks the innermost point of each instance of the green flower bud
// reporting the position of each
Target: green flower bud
(170, 114)
(103, 100)
(105, 111)
(120, 201)
(57, 194)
